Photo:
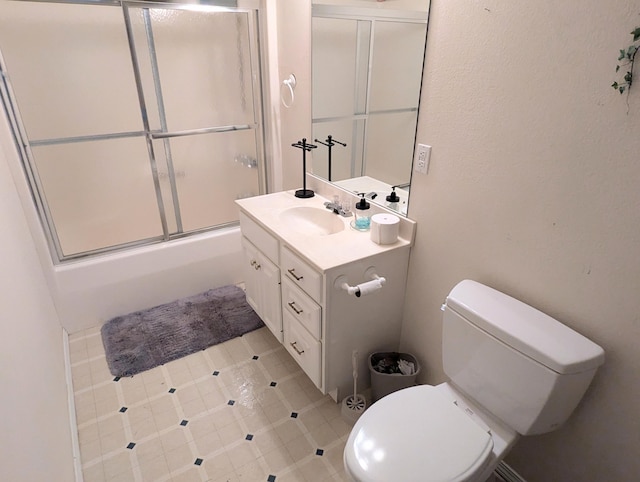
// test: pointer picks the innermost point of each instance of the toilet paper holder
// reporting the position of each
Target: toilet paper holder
(375, 283)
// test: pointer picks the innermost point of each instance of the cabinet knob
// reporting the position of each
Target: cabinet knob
(292, 304)
(293, 345)
(255, 264)
(292, 273)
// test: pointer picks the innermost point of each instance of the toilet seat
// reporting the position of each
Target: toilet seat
(416, 434)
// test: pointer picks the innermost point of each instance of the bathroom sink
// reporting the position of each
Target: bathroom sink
(312, 221)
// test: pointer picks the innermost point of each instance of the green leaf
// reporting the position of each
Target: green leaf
(617, 68)
(628, 77)
(615, 85)
(636, 34)
(631, 50)
(622, 55)
(621, 89)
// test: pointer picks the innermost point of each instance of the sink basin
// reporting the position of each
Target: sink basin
(312, 221)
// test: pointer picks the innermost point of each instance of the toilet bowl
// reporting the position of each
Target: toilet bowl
(513, 371)
(426, 433)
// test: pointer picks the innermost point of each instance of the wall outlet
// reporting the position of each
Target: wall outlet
(421, 162)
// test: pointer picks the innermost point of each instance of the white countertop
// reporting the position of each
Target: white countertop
(324, 251)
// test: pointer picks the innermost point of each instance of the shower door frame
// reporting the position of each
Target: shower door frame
(258, 78)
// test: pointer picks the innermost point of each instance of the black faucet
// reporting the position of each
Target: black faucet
(337, 209)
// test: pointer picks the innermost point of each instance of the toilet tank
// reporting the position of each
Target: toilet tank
(523, 366)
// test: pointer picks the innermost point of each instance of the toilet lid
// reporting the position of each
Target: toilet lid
(416, 434)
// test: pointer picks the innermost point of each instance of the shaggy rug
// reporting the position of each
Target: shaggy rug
(145, 339)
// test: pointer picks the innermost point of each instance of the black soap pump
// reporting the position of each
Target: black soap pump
(393, 197)
(362, 220)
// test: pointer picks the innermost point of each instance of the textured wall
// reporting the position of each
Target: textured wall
(34, 429)
(533, 189)
(294, 57)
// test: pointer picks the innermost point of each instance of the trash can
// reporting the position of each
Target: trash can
(391, 371)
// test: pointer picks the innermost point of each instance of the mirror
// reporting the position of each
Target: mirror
(366, 72)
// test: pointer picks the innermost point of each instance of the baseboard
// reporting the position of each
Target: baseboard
(507, 474)
(73, 422)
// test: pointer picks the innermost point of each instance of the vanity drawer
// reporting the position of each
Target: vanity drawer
(259, 237)
(302, 308)
(304, 349)
(301, 273)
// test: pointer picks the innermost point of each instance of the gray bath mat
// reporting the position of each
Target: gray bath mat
(145, 339)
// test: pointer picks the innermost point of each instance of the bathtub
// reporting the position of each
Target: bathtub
(89, 292)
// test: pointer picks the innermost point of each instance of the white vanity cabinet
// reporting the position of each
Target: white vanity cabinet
(261, 277)
(294, 282)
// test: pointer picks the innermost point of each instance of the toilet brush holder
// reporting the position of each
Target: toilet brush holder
(352, 408)
(353, 405)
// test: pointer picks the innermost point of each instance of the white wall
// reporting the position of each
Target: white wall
(534, 189)
(34, 427)
(294, 56)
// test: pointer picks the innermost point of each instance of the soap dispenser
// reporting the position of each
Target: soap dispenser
(362, 220)
(393, 199)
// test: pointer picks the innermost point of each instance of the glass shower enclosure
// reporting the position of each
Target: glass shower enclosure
(137, 122)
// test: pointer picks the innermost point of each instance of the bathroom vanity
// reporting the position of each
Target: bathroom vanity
(298, 257)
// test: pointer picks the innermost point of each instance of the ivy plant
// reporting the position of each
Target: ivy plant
(626, 59)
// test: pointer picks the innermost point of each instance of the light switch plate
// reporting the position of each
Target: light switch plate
(421, 162)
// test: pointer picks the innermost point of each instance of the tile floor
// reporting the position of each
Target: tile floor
(239, 411)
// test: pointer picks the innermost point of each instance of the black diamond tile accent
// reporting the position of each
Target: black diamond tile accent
(184, 423)
(216, 373)
(172, 390)
(198, 461)
(116, 379)
(231, 402)
(271, 478)
(249, 437)
(255, 357)
(131, 445)
(123, 409)
(319, 452)
(294, 414)
(272, 384)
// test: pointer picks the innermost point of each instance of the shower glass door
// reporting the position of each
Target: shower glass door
(137, 122)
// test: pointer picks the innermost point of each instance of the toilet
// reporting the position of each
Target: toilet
(513, 371)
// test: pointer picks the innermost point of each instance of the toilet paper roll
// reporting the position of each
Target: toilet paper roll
(369, 287)
(384, 228)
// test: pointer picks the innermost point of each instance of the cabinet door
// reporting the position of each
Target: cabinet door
(262, 286)
(251, 277)
(270, 295)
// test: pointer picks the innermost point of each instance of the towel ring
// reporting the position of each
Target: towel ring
(289, 82)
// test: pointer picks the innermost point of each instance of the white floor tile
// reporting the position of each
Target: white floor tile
(214, 415)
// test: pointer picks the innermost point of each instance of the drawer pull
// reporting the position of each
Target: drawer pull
(291, 272)
(293, 345)
(292, 304)
(255, 264)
